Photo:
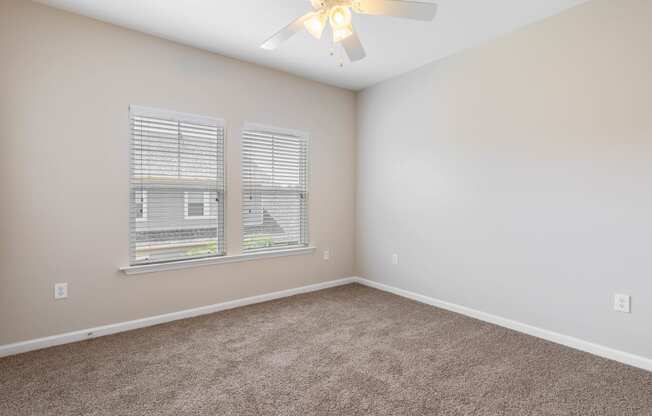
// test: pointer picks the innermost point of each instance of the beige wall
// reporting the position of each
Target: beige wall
(65, 85)
(516, 178)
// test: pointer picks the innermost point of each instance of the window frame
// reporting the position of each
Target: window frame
(219, 190)
(222, 193)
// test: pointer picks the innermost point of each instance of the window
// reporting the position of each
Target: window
(197, 205)
(275, 188)
(177, 186)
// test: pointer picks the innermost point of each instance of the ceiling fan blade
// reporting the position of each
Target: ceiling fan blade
(286, 33)
(398, 8)
(353, 48)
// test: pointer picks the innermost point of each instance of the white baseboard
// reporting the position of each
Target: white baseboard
(572, 342)
(599, 350)
(36, 344)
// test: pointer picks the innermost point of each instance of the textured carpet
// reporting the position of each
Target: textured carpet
(350, 350)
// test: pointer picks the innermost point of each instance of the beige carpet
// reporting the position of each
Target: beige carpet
(350, 350)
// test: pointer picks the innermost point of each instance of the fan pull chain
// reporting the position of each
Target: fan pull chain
(341, 59)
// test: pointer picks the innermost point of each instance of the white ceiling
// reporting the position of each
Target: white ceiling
(236, 28)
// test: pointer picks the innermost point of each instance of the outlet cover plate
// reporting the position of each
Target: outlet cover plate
(622, 303)
(61, 290)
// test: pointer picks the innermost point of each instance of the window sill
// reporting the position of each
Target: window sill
(185, 264)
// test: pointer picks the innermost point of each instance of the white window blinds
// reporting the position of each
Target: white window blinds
(176, 208)
(275, 189)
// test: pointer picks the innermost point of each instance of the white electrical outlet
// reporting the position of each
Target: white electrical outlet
(327, 254)
(622, 303)
(61, 290)
(394, 259)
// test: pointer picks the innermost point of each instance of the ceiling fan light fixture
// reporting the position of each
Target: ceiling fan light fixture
(340, 17)
(316, 24)
(338, 13)
(342, 33)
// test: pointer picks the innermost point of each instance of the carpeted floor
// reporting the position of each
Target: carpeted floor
(350, 350)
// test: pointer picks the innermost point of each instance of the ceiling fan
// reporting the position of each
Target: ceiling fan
(338, 14)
